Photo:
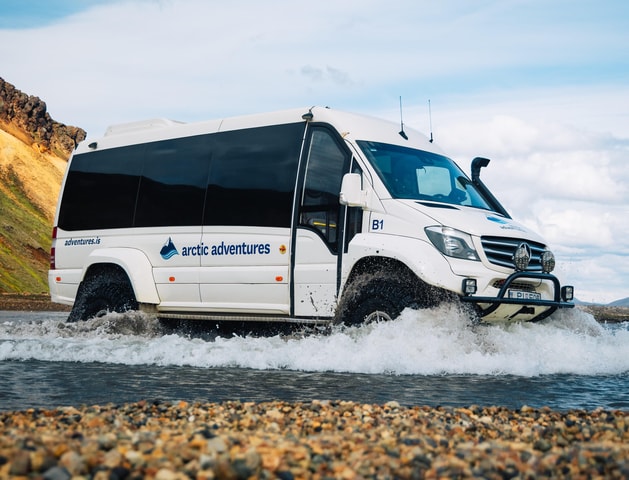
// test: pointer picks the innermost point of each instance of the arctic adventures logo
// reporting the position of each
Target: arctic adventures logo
(202, 250)
(168, 250)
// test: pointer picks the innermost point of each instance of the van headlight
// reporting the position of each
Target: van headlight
(452, 242)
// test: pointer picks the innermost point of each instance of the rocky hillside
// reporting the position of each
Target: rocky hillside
(34, 150)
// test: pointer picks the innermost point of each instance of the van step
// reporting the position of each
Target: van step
(226, 317)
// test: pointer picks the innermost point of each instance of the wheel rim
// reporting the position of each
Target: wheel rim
(378, 316)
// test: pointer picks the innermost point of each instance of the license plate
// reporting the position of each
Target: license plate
(521, 295)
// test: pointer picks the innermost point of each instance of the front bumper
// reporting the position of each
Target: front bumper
(503, 307)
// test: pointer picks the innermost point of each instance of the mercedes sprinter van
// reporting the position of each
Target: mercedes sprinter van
(309, 216)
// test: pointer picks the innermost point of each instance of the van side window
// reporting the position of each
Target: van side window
(172, 189)
(101, 189)
(252, 176)
(320, 207)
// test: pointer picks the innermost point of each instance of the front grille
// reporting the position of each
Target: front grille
(500, 250)
(524, 287)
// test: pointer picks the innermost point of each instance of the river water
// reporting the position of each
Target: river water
(432, 357)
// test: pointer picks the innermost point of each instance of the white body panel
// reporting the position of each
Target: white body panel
(246, 270)
(315, 276)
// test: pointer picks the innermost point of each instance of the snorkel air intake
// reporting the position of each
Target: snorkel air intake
(477, 164)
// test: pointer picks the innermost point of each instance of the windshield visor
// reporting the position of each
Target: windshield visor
(418, 175)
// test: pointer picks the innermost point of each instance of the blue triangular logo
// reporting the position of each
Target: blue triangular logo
(168, 250)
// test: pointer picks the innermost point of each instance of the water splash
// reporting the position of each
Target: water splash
(428, 342)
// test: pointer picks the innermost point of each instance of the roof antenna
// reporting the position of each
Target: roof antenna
(430, 119)
(402, 132)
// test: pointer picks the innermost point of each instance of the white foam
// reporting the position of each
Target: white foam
(431, 342)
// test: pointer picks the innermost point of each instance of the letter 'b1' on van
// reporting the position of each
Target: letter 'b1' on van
(308, 216)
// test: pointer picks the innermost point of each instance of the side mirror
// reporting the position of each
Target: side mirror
(352, 193)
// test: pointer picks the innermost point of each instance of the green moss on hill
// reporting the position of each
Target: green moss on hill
(24, 240)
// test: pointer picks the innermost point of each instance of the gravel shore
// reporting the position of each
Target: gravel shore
(318, 439)
(30, 302)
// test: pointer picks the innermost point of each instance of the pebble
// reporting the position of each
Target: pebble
(319, 439)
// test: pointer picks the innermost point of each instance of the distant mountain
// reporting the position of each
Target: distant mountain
(576, 301)
(34, 150)
(623, 302)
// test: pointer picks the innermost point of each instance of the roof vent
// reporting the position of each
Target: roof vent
(151, 124)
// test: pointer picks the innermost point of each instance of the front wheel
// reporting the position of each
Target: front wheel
(383, 296)
(98, 294)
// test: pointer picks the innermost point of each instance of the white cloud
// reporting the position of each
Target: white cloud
(598, 278)
(567, 182)
(584, 227)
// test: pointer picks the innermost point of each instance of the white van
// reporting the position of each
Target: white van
(309, 216)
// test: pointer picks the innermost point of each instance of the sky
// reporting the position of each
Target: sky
(541, 87)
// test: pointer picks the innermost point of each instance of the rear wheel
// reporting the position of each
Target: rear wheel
(383, 296)
(109, 290)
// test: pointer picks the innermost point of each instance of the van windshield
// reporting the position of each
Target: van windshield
(418, 175)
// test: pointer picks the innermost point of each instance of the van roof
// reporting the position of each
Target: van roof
(351, 126)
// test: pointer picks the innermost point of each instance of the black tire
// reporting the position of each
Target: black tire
(98, 294)
(383, 296)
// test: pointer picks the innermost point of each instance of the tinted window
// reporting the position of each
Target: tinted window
(101, 189)
(251, 181)
(252, 176)
(320, 207)
(174, 178)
